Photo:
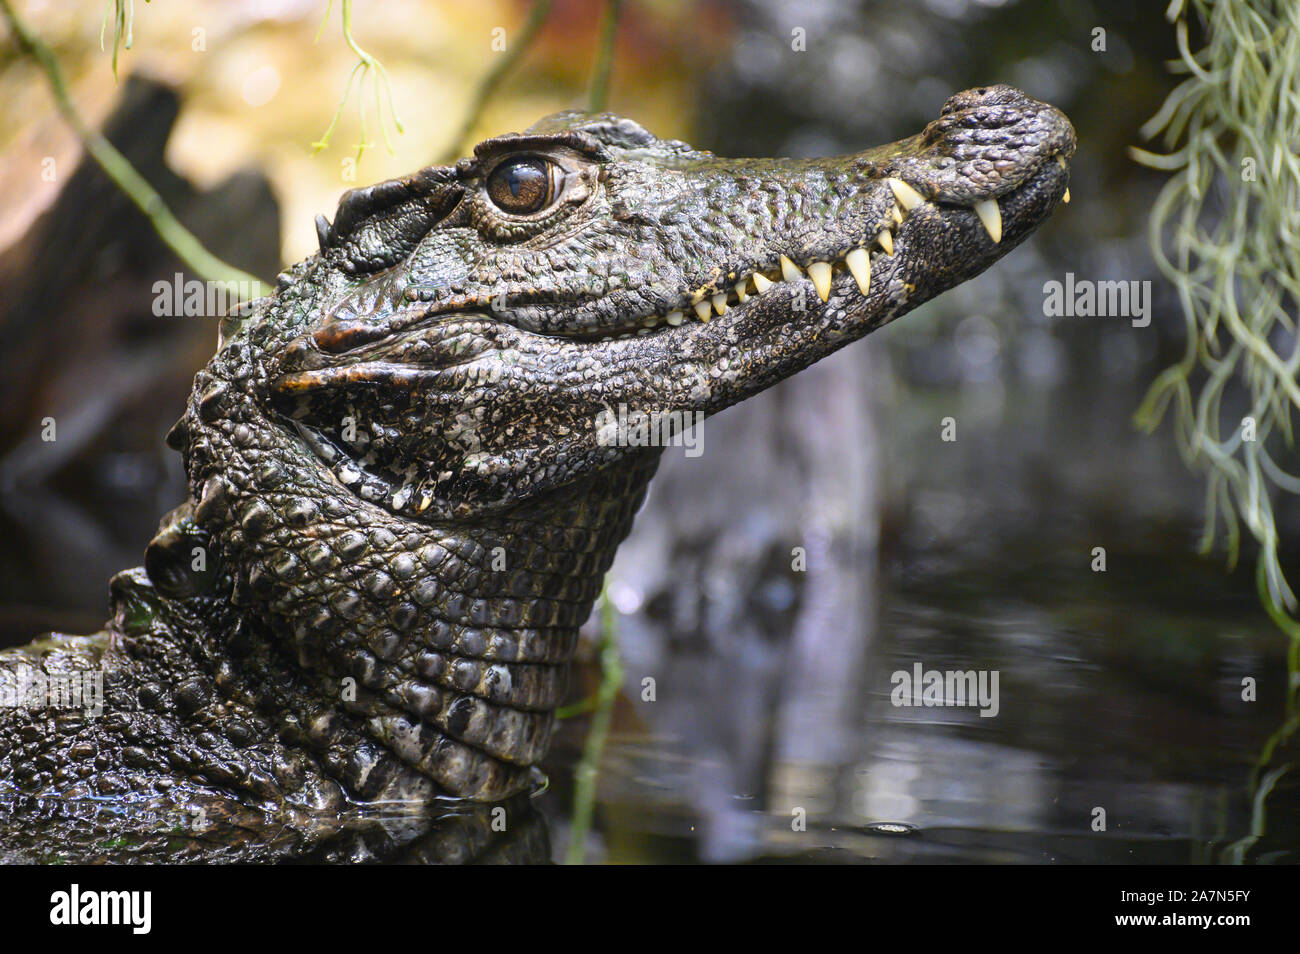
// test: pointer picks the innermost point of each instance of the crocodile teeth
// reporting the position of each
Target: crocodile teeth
(991, 216)
(859, 264)
(1066, 198)
(895, 215)
(907, 197)
(324, 232)
(820, 273)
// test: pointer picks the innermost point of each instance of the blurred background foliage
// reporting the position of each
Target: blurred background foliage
(1121, 688)
(263, 89)
(1224, 230)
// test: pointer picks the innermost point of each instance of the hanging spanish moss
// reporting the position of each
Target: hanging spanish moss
(1224, 230)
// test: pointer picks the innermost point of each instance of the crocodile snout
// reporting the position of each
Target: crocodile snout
(990, 140)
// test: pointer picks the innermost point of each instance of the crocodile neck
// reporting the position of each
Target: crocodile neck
(445, 645)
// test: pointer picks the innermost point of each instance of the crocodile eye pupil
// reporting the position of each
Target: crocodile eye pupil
(520, 186)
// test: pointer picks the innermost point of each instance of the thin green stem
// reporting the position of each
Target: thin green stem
(123, 26)
(506, 61)
(599, 90)
(365, 66)
(588, 771)
(1236, 852)
(580, 708)
(116, 166)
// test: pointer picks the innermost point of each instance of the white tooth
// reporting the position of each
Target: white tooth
(991, 216)
(859, 264)
(761, 282)
(895, 215)
(425, 500)
(907, 197)
(1066, 198)
(741, 285)
(675, 318)
(789, 270)
(704, 310)
(720, 303)
(820, 273)
(886, 241)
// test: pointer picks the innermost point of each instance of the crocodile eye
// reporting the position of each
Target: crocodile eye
(522, 186)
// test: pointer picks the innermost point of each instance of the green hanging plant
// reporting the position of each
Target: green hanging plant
(1225, 229)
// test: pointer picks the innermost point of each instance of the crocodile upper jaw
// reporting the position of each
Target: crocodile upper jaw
(708, 280)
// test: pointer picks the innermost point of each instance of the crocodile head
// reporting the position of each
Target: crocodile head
(400, 458)
(490, 312)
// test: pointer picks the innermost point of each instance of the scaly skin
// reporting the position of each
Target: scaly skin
(400, 495)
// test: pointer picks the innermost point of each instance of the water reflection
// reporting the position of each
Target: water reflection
(1119, 690)
(125, 829)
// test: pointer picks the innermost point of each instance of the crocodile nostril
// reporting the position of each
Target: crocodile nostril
(999, 95)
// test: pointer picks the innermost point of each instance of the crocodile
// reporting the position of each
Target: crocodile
(404, 486)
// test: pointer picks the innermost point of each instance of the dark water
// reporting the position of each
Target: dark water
(772, 735)
(1119, 690)
(1106, 700)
